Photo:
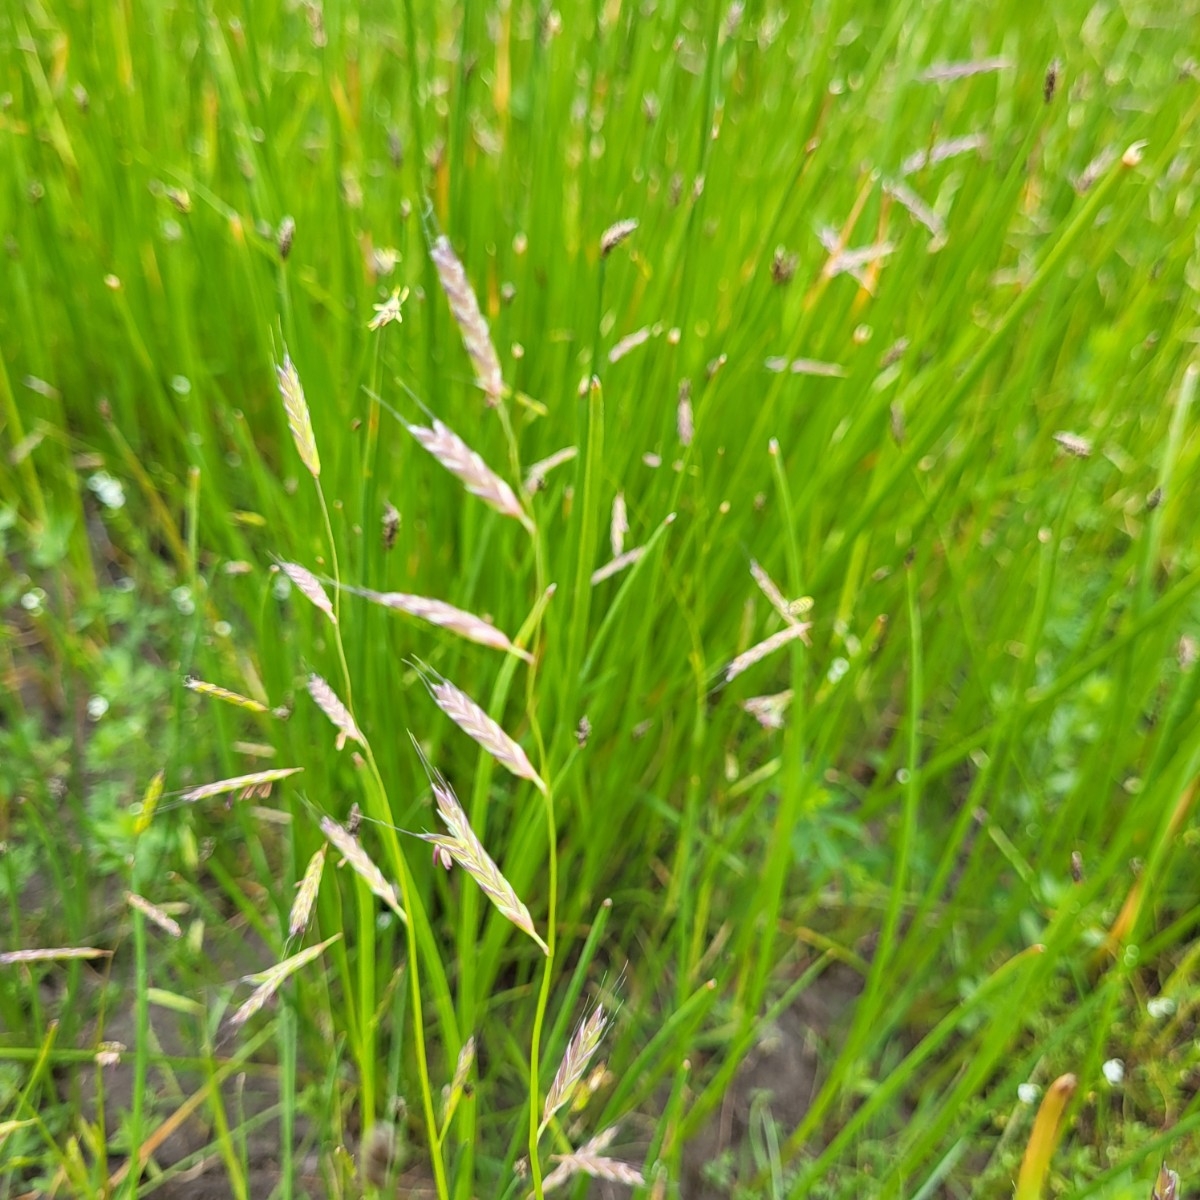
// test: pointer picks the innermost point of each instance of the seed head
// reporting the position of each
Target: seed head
(329, 703)
(477, 725)
(299, 421)
(471, 323)
(306, 893)
(615, 234)
(462, 462)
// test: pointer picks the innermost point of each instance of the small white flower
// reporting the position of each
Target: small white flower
(97, 706)
(32, 601)
(389, 310)
(1028, 1093)
(183, 600)
(1114, 1071)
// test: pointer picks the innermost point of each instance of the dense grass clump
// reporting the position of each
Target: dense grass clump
(723, 476)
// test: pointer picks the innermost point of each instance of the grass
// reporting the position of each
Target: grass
(865, 299)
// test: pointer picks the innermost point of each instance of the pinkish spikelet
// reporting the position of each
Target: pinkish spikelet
(462, 462)
(471, 322)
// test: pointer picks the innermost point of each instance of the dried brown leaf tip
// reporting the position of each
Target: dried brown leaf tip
(615, 234)
(299, 421)
(471, 323)
(462, 847)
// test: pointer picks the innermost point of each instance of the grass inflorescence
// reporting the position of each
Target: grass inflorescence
(769, 436)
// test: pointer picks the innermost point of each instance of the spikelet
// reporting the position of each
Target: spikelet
(814, 366)
(245, 784)
(535, 479)
(156, 914)
(579, 1052)
(471, 322)
(270, 980)
(299, 421)
(619, 525)
(446, 616)
(306, 893)
(351, 850)
(328, 702)
(1073, 444)
(768, 710)
(944, 72)
(630, 342)
(685, 421)
(615, 234)
(941, 151)
(591, 1160)
(219, 693)
(310, 586)
(462, 1069)
(611, 568)
(478, 726)
(52, 954)
(462, 462)
(467, 850)
(918, 209)
(771, 591)
(767, 646)
(150, 799)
